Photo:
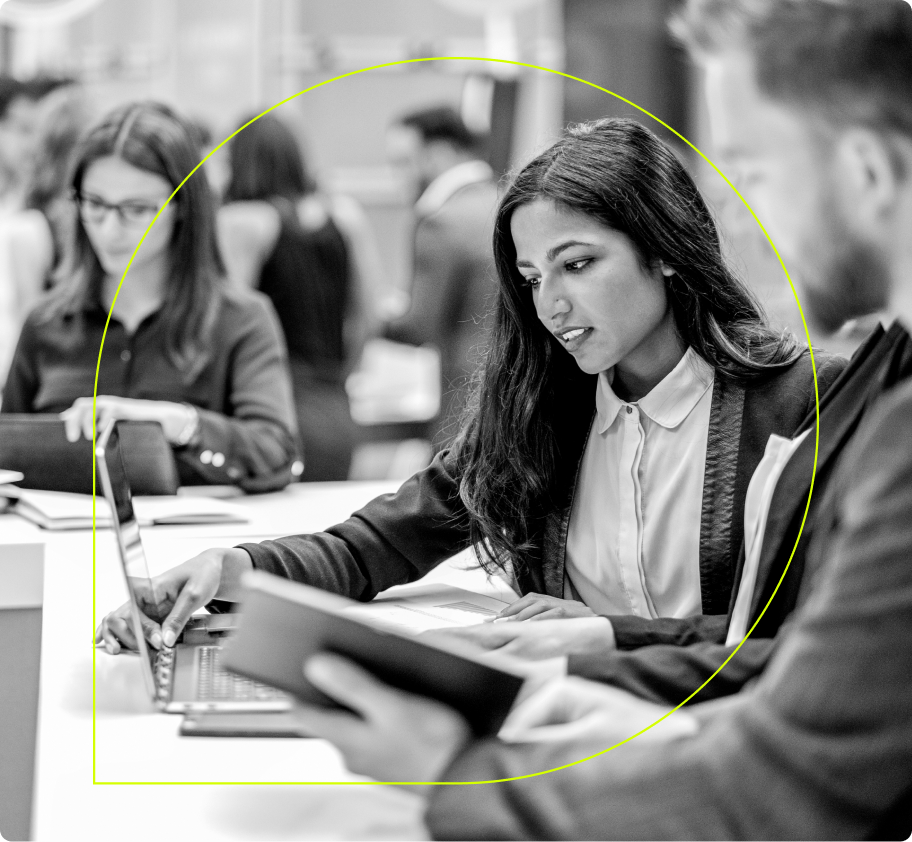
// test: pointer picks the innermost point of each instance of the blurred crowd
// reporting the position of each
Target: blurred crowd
(78, 191)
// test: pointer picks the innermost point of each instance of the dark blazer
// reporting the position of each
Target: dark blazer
(452, 290)
(819, 748)
(671, 673)
(398, 538)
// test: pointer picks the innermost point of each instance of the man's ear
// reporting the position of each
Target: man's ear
(869, 180)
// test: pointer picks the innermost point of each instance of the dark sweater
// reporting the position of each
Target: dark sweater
(242, 392)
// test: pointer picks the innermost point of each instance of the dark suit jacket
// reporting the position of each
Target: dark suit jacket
(399, 537)
(452, 288)
(819, 748)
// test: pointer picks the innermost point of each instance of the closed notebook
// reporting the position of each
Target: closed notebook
(62, 510)
(36, 445)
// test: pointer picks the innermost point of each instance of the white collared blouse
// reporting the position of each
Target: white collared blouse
(633, 545)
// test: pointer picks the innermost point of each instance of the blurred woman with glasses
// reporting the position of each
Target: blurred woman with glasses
(207, 362)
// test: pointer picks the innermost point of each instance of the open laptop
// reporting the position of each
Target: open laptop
(186, 677)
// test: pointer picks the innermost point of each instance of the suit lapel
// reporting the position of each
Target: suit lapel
(839, 414)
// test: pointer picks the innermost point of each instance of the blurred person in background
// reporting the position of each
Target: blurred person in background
(40, 122)
(20, 115)
(314, 255)
(452, 286)
(205, 361)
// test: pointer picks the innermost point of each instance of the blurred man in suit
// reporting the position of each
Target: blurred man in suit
(452, 259)
(811, 104)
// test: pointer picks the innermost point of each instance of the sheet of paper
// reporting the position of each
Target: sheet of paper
(425, 607)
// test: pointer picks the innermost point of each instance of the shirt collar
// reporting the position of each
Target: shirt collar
(442, 188)
(669, 403)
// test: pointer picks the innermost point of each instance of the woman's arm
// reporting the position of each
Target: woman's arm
(394, 539)
(252, 443)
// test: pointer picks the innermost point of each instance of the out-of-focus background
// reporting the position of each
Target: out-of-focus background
(218, 60)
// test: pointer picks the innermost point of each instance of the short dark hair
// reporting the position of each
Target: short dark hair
(266, 162)
(38, 87)
(440, 123)
(848, 61)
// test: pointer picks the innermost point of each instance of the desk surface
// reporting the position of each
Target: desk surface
(133, 743)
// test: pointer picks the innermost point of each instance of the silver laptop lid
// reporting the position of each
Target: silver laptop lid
(116, 489)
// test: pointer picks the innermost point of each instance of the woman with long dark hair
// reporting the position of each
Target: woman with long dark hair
(182, 349)
(313, 255)
(630, 388)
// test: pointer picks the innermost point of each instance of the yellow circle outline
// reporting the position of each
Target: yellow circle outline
(450, 783)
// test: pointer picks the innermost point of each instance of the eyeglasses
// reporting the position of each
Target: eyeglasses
(133, 213)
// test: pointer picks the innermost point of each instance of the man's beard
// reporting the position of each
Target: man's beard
(850, 281)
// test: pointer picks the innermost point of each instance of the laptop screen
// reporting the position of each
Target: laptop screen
(129, 543)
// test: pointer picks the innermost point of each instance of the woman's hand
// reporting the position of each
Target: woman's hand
(539, 606)
(172, 598)
(574, 709)
(173, 417)
(392, 736)
(536, 641)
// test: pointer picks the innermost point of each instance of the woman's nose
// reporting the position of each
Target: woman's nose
(552, 300)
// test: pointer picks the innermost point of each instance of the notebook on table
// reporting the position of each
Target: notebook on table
(188, 676)
(58, 510)
(37, 446)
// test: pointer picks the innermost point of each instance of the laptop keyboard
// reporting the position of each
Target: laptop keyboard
(215, 684)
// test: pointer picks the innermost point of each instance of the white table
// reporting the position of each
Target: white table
(133, 743)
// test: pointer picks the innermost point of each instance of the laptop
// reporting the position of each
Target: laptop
(37, 446)
(187, 677)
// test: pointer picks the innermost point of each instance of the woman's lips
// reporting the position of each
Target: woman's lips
(573, 338)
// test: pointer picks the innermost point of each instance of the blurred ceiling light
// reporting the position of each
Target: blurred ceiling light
(501, 36)
(481, 8)
(43, 12)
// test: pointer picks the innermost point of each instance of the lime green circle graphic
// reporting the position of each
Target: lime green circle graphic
(598, 753)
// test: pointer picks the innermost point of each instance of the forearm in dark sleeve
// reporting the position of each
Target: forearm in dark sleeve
(669, 674)
(395, 539)
(253, 445)
(631, 632)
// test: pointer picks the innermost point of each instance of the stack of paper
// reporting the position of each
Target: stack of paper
(60, 510)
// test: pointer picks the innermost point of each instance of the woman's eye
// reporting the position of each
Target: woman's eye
(530, 283)
(577, 265)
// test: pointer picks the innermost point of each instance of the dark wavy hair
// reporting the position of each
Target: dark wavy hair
(531, 391)
(266, 162)
(151, 137)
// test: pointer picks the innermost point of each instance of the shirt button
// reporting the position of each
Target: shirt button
(218, 459)
(629, 410)
(206, 457)
(126, 356)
